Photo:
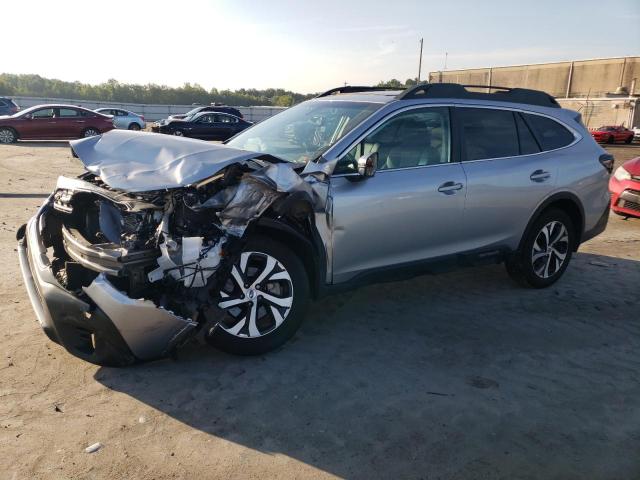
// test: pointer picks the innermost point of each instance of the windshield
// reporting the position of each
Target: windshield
(302, 133)
(192, 112)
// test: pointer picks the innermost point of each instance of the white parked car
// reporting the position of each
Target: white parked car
(124, 118)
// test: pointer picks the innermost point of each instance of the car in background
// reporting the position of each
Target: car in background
(208, 108)
(624, 186)
(53, 122)
(612, 134)
(8, 106)
(203, 125)
(124, 118)
(636, 133)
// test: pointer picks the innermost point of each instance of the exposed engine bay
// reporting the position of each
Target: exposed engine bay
(160, 256)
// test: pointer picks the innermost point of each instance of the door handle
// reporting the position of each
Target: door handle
(539, 176)
(449, 188)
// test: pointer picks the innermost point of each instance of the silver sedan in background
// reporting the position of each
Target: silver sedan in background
(124, 119)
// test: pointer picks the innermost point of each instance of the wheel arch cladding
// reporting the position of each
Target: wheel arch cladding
(568, 203)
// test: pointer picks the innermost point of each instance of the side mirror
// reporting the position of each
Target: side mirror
(28, 116)
(367, 165)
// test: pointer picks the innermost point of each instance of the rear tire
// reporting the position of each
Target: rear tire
(545, 252)
(8, 135)
(284, 280)
(628, 140)
(134, 127)
(90, 132)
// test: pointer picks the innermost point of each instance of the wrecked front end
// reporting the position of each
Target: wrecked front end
(125, 271)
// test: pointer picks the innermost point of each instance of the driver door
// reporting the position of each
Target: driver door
(411, 210)
(42, 124)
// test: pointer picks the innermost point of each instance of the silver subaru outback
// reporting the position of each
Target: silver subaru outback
(165, 238)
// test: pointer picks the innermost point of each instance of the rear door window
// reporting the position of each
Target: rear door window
(68, 112)
(488, 133)
(550, 134)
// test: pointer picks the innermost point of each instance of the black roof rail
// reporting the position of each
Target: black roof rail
(352, 89)
(503, 94)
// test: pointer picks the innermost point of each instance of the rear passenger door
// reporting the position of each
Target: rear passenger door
(508, 172)
(70, 123)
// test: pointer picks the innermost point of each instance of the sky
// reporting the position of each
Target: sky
(304, 46)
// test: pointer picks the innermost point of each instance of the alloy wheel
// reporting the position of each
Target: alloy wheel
(258, 296)
(6, 136)
(550, 249)
(178, 133)
(90, 132)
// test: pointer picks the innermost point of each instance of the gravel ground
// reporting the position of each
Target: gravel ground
(462, 375)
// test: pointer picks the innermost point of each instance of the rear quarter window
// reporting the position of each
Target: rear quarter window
(550, 134)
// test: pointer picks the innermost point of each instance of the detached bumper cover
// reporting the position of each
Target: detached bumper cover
(103, 326)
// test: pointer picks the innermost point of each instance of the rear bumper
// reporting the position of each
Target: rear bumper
(598, 228)
(99, 323)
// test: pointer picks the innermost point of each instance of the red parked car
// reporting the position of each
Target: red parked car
(624, 186)
(53, 122)
(612, 134)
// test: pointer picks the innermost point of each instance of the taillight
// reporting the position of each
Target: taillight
(607, 160)
(142, 117)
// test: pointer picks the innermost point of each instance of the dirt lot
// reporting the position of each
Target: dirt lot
(463, 375)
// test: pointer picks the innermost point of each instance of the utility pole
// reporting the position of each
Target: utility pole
(446, 55)
(420, 60)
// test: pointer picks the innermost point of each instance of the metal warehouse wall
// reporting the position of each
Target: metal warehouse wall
(150, 112)
(580, 78)
(587, 86)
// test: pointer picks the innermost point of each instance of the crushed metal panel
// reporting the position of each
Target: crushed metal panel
(142, 161)
(250, 200)
(149, 331)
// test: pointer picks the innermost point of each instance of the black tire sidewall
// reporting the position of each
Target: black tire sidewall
(134, 126)
(524, 267)
(227, 342)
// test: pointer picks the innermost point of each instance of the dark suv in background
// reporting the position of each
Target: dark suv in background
(8, 106)
(208, 108)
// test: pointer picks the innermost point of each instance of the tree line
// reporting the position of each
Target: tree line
(113, 91)
(29, 85)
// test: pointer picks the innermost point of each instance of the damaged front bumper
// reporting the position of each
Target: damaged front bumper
(99, 324)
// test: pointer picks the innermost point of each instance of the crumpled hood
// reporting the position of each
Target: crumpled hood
(141, 161)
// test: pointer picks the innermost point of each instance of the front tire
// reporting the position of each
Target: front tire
(178, 133)
(7, 135)
(545, 252)
(628, 140)
(264, 299)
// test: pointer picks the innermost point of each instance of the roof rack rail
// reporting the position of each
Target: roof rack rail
(352, 89)
(455, 90)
